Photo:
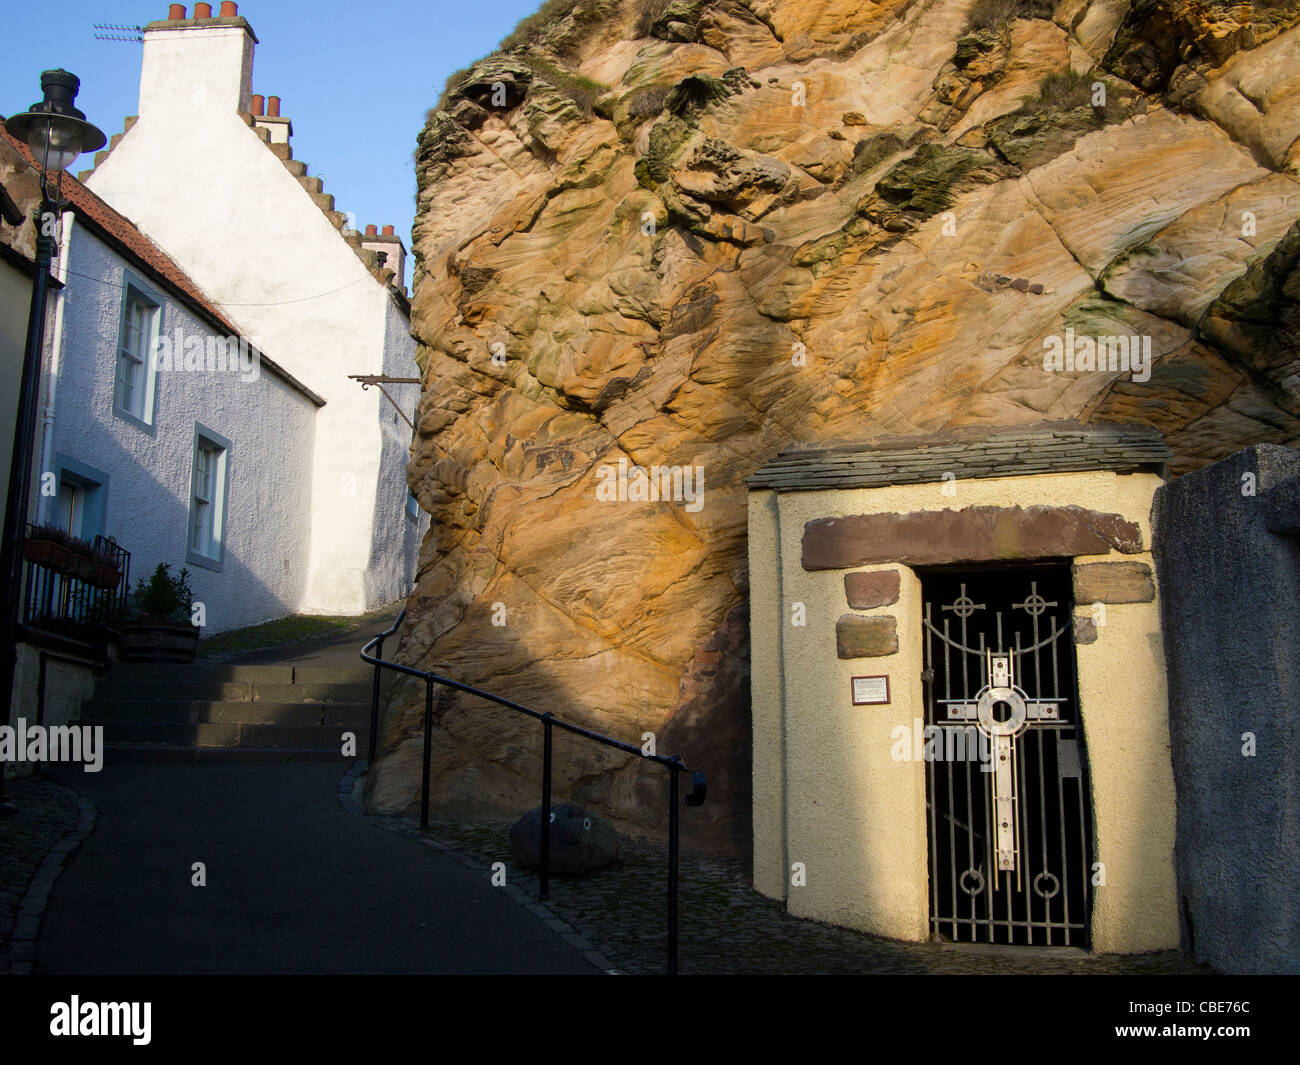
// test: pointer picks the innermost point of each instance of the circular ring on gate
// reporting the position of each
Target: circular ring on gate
(978, 878)
(1056, 884)
(990, 726)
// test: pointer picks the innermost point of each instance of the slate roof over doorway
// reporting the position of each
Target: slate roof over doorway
(975, 452)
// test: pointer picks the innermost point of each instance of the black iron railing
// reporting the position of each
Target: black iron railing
(72, 605)
(674, 765)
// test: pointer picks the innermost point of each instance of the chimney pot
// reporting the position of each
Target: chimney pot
(388, 231)
(273, 106)
(176, 13)
(202, 10)
(257, 104)
(229, 9)
(371, 231)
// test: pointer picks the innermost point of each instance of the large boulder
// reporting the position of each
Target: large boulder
(868, 230)
(580, 842)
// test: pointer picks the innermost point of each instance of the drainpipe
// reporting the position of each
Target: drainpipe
(56, 356)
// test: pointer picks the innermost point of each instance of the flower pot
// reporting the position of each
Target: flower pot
(47, 553)
(105, 575)
(158, 641)
(81, 567)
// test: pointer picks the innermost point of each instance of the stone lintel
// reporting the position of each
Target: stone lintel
(976, 534)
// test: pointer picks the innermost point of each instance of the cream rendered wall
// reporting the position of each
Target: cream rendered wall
(768, 616)
(856, 817)
(202, 184)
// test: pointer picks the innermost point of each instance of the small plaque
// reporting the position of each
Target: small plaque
(870, 691)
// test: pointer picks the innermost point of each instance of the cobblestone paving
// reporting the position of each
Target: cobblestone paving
(726, 927)
(47, 812)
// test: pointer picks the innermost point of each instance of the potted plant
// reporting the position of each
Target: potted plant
(104, 572)
(158, 626)
(47, 545)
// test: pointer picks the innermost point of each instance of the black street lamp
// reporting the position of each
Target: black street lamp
(56, 132)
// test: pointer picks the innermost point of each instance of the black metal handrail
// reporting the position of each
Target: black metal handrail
(674, 765)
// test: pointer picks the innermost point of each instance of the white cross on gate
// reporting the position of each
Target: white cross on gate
(1001, 690)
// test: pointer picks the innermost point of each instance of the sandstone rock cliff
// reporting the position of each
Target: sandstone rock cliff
(695, 232)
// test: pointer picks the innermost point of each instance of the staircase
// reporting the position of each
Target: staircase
(155, 713)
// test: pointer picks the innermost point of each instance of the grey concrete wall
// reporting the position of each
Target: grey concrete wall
(1227, 554)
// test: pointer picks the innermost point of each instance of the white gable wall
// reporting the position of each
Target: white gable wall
(195, 178)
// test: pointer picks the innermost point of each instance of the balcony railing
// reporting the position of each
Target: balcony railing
(549, 722)
(74, 605)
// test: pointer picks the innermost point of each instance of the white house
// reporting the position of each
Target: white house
(159, 432)
(206, 172)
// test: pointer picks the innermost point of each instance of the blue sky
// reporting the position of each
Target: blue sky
(355, 78)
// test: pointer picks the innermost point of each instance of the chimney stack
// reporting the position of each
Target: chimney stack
(389, 251)
(280, 129)
(182, 55)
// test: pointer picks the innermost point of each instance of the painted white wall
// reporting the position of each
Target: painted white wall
(270, 426)
(396, 542)
(197, 180)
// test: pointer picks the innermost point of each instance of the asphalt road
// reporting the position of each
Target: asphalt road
(295, 884)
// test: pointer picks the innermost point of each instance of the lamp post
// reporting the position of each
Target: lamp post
(56, 132)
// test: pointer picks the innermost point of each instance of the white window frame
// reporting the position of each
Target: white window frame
(209, 491)
(134, 351)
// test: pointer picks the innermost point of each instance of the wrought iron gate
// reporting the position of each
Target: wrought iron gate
(1007, 795)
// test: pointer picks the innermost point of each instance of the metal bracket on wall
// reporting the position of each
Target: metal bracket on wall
(379, 380)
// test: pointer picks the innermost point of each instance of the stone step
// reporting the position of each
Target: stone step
(120, 690)
(210, 734)
(180, 712)
(230, 692)
(358, 674)
(189, 673)
(312, 693)
(133, 753)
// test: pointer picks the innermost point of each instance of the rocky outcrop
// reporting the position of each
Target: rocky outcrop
(689, 234)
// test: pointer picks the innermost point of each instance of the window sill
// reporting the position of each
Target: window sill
(205, 561)
(126, 416)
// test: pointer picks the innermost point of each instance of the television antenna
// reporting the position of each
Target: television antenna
(109, 31)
